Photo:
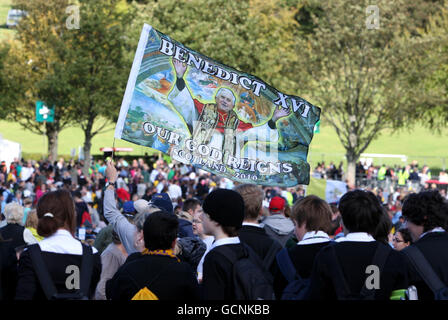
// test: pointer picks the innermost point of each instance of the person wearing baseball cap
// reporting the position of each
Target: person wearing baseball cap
(277, 205)
(162, 201)
(277, 225)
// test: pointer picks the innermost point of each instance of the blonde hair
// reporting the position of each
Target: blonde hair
(253, 199)
(31, 219)
(14, 213)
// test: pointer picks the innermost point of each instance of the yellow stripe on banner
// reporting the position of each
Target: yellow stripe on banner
(317, 187)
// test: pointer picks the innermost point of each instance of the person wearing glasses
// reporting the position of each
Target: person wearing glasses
(402, 239)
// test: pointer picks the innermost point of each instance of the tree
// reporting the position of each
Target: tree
(80, 69)
(34, 69)
(252, 36)
(357, 71)
(432, 101)
(98, 65)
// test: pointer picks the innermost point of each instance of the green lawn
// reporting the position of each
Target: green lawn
(418, 144)
(5, 33)
(69, 138)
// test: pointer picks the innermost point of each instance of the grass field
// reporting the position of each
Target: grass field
(418, 144)
(5, 33)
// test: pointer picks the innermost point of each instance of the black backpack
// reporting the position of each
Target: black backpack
(297, 286)
(341, 286)
(47, 283)
(250, 279)
(427, 273)
(271, 255)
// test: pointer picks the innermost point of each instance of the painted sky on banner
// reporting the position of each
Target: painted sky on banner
(186, 122)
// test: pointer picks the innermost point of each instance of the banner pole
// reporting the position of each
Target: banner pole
(113, 149)
(45, 133)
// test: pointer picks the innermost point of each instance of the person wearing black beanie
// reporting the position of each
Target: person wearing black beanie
(226, 207)
(222, 218)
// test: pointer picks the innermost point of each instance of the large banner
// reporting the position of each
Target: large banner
(219, 119)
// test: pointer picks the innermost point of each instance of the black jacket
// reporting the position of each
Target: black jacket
(14, 233)
(167, 278)
(354, 257)
(303, 259)
(218, 274)
(8, 271)
(260, 242)
(28, 286)
(434, 247)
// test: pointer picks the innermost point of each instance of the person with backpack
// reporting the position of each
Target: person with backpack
(251, 232)
(426, 217)
(232, 270)
(358, 267)
(59, 267)
(156, 273)
(312, 221)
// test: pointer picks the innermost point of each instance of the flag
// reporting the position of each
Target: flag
(207, 114)
(317, 127)
(329, 190)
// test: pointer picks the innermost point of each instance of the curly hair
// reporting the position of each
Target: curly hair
(427, 209)
(406, 235)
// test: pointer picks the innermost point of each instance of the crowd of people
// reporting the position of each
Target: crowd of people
(149, 229)
(388, 178)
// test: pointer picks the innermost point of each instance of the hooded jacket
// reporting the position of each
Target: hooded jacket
(279, 227)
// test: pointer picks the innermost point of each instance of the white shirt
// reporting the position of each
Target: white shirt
(174, 191)
(62, 242)
(221, 242)
(26, 172)
(437, 229)
(356, 236)
(314, 237)
(208, 242)
(252, 224)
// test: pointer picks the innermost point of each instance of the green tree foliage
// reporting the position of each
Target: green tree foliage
(359, 75)
(252, 36)
(98, 65)
(432, 101)
(33, 68)
(80, 69)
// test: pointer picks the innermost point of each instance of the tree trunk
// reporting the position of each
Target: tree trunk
(52, 133)
(351, 170)
(52, 145)
(86, 149)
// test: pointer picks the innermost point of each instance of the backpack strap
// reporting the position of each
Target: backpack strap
(86, 269)
(423, 268)
(228, 253)
(271, 255)
(41, 271)
(341, 286)
(286, 266)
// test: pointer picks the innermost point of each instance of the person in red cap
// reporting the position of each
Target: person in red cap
(277, 225)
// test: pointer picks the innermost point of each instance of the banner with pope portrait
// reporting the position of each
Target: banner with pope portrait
(219, 119)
